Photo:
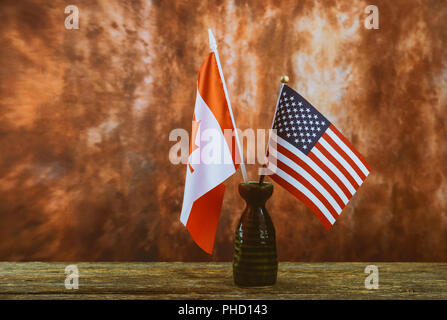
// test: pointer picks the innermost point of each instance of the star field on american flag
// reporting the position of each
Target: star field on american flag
(298, 122)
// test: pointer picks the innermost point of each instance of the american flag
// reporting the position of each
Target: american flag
(312, 159)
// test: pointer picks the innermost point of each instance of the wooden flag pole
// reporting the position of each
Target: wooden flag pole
(284, 80)
(213, 46)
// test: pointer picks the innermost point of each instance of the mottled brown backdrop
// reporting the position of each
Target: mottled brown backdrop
(85, 117)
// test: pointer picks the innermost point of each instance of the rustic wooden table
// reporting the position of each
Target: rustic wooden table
(177, 280)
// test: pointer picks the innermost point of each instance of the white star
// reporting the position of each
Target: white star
(287, 104)
(285, 99)
(308, 140)
(301, 109)
(314, 135)
(322, 123)
(294, 110)
(306, 128)
(293, 103)
(304, 121)
(292, 98)
(308, 134)
(294, 134)
(315, 116)
(309, 116)
(304, 147)
(303, 140)
(284, 94)
(312, 128)
(296, 140)
(311, 122)
(300, 104)
(292, 122)
(293, 128)
(287, 129)
(318, 129)
(300, 128)
(280, 130)
(307, 110)
(301, 134)
(288, 135)
(296, 116)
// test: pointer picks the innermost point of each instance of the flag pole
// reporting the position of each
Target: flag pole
(284, 80)
(213, 46)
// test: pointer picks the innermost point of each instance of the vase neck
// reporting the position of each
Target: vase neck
(256, 194)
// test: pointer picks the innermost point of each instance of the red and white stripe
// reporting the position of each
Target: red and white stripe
(325, 179)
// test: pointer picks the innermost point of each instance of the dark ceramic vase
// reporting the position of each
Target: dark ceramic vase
(255, 262)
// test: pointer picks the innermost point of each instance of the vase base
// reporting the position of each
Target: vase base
(255, 286)
(258, 282)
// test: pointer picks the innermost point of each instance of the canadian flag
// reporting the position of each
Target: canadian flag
(213, 132)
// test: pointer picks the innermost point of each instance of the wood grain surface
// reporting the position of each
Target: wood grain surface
(178, 280)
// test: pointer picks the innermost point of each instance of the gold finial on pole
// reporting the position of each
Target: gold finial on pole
(284, 79)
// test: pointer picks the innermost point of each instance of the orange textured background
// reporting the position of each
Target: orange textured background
(85, 117)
